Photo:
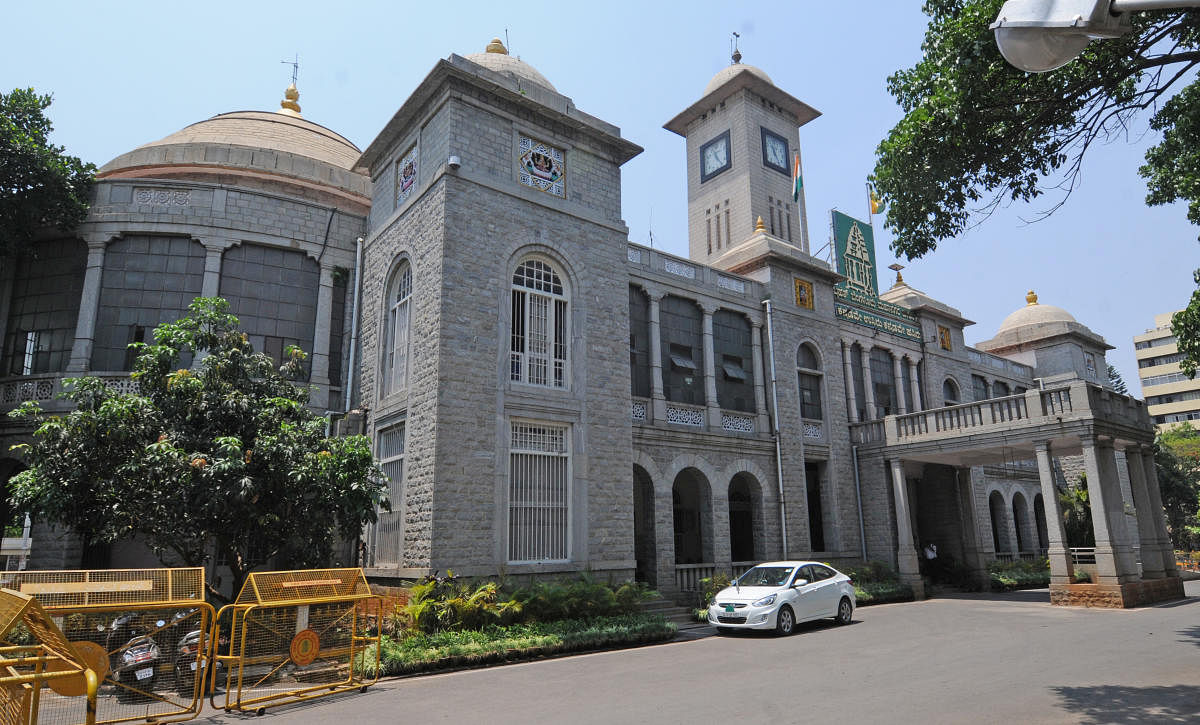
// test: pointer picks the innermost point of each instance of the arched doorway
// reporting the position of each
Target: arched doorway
(1039, 517)
(1021, 522)
(692, 516)
(999, 522)
(644, 550)
(745, 519)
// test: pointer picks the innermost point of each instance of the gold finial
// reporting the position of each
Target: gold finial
(899, 278)
(496, 47)
(758, 226)
(1031, 298)
(289, 103)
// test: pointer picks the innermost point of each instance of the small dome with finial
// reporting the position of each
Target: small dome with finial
(725, 74)
(290, 104)
(496, 47)
(1031, 298)
(495, 57)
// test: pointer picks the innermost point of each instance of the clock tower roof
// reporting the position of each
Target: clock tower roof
(732, 79)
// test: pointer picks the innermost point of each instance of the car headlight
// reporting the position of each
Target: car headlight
(766, 601)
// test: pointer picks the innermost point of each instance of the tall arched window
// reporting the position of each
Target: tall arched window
(808, 374)
(950, 392)
(540, 332)
(396, 332)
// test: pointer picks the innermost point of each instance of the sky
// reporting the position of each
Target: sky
(124, 74)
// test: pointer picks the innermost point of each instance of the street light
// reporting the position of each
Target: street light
(1041, 35)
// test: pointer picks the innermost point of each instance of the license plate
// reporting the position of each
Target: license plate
(729, 608)
(193, 667)
(144, 674)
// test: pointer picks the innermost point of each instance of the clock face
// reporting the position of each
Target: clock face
(775, 152)
(714, 157)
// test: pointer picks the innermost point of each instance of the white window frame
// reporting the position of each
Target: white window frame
(397, 340)
(538, 527)
(818, 374)
(540, 326)
(391, 442)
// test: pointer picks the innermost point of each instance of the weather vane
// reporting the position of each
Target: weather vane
(295, 64)
(735, 54)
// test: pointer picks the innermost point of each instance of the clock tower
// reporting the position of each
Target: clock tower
(742, 159)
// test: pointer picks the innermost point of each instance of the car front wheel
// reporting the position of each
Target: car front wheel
(785, 624)
(845, 611)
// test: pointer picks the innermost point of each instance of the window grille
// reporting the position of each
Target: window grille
(538, 346)
(389, 529)
(808, 374)
(396, 344)
(538, 494)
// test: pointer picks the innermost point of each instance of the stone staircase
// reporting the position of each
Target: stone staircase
(683, 617)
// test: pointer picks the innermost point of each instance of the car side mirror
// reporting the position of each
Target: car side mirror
(799, 582)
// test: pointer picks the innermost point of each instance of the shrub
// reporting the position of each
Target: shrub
(548, 601)
(439, 604)
(875, 583)
(1007, 575)
(1081, 577)
(709, 586)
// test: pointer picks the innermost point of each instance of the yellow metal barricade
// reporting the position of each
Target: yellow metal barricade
(145, 633)
(48, 660)
(296, 635)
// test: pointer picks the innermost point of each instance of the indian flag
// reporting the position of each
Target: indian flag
(797, 180)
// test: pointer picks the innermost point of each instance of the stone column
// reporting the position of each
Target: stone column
(319, 376)
(710, 375)
(1152, 565)
(212, 268)
(848, 371)
(898, 382)
(1114, 559)
(906, 551)
(89, 307)
(868, 391)
(658, 401)
(760, 372)
(1061, 567)
(916, 387)
(1154, 498)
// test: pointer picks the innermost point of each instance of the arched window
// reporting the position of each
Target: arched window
(808, 374)
(1000, 389)
(538, 347)
(950, 392)
(396, 336)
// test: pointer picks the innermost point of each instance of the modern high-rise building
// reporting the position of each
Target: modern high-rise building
(1171, 397)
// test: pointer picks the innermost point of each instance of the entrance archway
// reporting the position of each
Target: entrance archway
(644, 550)
(745, 519)
(1021, 522)
(692, 515)
(999, 522)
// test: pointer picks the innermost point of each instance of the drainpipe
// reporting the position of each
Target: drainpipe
(775, 429)
(351, 371)
(862, 530)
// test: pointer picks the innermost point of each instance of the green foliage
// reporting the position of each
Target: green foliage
(709, 586)
(875, 583)
(1080, 576)
(495, 644)
(1177, 458)
(977, 132)
(448, 604)
(1008, 575)
(581, 598)
(1116, 381)
(225, 453)
(40, 186)
(1185, 325)
(1077, 514)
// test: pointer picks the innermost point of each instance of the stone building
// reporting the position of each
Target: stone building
(547, 397)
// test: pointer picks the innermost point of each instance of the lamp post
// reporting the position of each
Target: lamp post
(1041, 35)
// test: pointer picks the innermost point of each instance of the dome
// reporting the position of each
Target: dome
(728, 72)
(497, 59)
(1035, 314)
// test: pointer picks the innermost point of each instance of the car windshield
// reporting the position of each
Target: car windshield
(765, 576)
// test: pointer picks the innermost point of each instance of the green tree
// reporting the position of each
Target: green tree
(225, 455)
(1077, 514)
(978, 133)
(1185, 325)
(1116, 381)
(40, 186)
(1177, 457)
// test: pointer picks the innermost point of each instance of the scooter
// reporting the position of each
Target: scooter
(187, 658)
(138, 668)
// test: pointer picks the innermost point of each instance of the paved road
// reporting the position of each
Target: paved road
(972, 659)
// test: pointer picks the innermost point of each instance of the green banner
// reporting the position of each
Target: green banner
(854, 244)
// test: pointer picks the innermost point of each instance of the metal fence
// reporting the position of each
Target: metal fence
(293, 636)
(144, 633)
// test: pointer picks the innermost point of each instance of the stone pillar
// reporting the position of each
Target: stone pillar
(1061, 567)
(898, 383)
(1154, 497)
(710, 374)
(89, 307)
(658, 401)
(212, 268)
(1114, 558)
(906, 552)
(848, 371)
(868, 391)
(1151, 549)
(760, 373)
(319, 375)
(916, 387)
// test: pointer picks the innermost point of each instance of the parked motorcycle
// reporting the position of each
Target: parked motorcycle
(187, 658)
(137, 672)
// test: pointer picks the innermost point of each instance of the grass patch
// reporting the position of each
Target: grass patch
(422, 652)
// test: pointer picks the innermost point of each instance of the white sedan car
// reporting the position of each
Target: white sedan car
(779, 594)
